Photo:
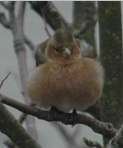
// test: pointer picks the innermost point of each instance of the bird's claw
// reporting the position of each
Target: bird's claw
(74, 117)
(53, 111)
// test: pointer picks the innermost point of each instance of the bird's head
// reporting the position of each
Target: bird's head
(62, 47)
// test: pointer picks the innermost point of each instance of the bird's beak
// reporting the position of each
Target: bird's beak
(66, 52)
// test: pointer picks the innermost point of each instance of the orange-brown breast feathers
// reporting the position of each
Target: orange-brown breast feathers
(77, 85)
(65, 79)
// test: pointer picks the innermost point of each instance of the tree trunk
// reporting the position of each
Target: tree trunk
(111, 55)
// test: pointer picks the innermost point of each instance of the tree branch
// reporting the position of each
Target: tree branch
(52, 15)
(11, 14)
(8, 124)
(105, 129)
(6, 24)
(4, 21)
(21, 11)
(1, 84)
(4, 4)
(117, 141)
(46, 29)
(87, 19)
(92, 144)
(20, 51)
(85, 25)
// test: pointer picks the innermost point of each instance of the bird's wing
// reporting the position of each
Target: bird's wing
(85, 48)
(40, 53)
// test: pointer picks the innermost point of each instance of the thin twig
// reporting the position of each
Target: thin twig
(1, 84)
(46, 29)
(4, 21)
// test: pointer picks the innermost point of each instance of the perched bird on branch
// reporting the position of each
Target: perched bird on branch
(65, 80)
(85, 48)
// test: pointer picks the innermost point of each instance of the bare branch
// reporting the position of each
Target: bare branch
(4, 21)
(46, 29)
(20, 50)
(106, 129)
(4, 4)
(21, 10)
(23, 115)
(18, 38)
(7, 25)
(8, 124)
(1, 84)
(52, 15)
(85, 25)
(49, 10)
(92, 144)
(20, 15)
(88, 18)
(11, 14)
(65, 23)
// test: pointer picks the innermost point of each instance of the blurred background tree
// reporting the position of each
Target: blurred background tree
(111, 103)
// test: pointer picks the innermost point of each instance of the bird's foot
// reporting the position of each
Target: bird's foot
(74, 117)
(53, 111)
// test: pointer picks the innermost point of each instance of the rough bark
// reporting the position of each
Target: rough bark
(111, 55)
(13, 129)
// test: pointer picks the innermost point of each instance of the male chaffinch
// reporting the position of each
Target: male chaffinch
(65, 80)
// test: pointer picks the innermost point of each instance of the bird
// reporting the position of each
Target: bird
(85, 48)
(64, 78)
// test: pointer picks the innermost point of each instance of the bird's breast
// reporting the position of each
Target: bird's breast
(75, 85)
